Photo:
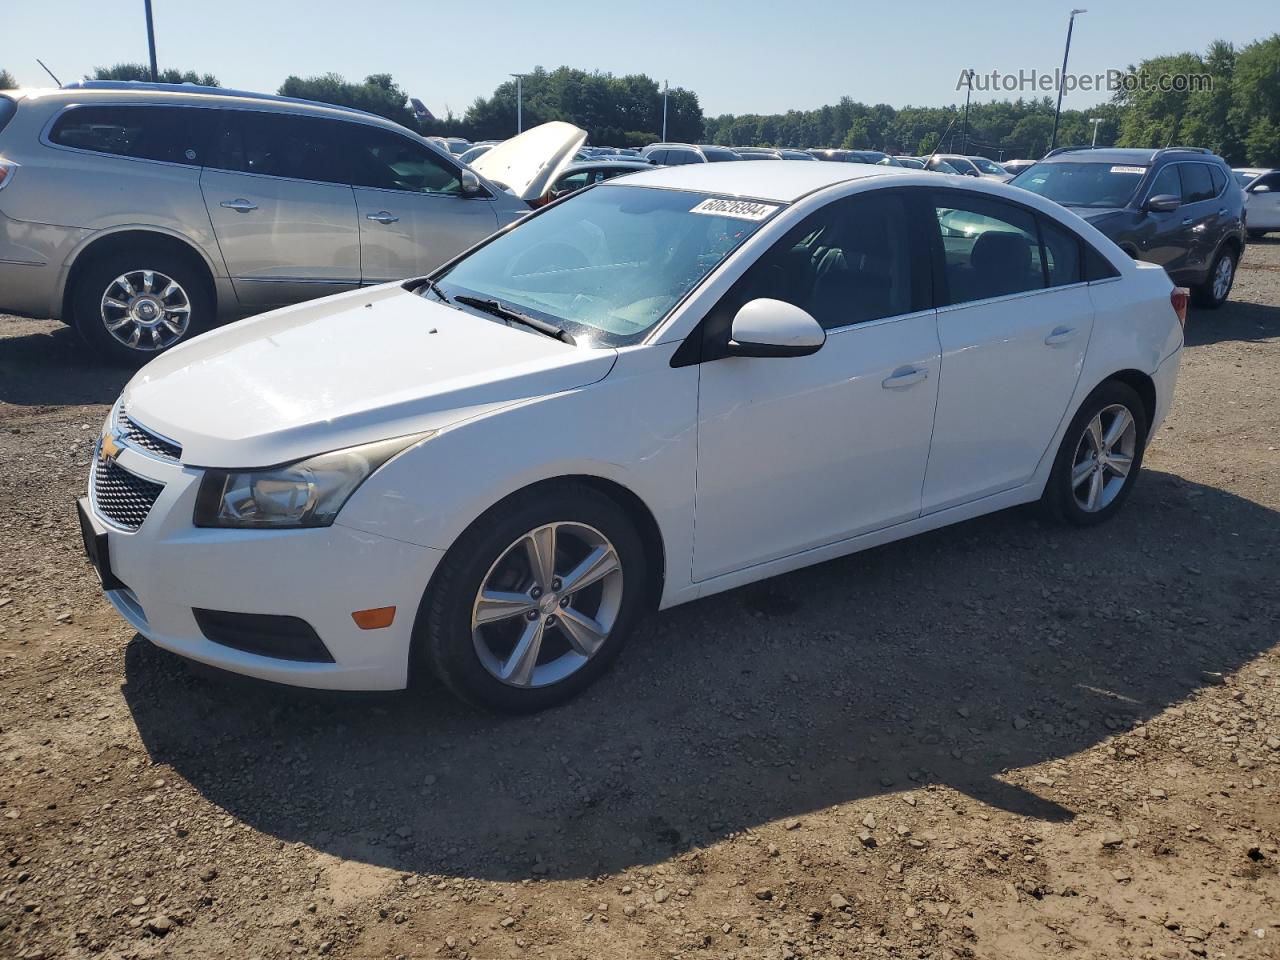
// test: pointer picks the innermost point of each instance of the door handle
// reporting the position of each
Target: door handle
(239, 205)
(1060, 335)
(1222, 212)
(904, 377)
(382, 216)
(1187, 220)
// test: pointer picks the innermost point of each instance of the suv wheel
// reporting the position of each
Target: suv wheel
(1214, 291)
(131, 305)
(534, 601)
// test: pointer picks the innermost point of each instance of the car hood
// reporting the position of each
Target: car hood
(1095, 214)
(353, 368)
(529, 163)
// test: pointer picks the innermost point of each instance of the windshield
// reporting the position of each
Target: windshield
(987, 166)
(1083, 184)
(609, 264)
(1244, 179)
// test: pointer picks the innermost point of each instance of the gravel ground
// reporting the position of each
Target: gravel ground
(1001, 740)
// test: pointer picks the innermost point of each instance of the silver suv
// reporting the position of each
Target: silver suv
(142, 214)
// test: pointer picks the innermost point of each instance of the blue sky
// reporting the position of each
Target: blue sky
(738, 55)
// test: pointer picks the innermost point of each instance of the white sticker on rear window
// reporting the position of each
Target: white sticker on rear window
(1138, 170)
(737, 209)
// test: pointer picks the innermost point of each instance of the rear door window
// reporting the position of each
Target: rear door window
(169, 134)
(990, 248)
(280, 145)
(1197, 182)
(1061, 254)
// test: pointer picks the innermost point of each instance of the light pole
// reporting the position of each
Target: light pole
(967, 93)
(665, 87)
(1095, 121)
(519, 101)
(151, 41)
(1053, 140)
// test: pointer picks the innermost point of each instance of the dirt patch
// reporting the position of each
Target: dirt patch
(1000, 740)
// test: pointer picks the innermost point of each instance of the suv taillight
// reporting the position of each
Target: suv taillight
(1179, 297)
(7, 169)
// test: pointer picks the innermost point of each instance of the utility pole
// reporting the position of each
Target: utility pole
(1062, 80)
(519, 101)
(964, 140)
(1095, 121)
(151, 42)
(665, 87)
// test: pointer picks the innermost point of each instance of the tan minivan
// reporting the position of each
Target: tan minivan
(143, 213)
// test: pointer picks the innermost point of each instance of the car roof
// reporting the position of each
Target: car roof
(780, 180)
(122, 91)
(603, 164)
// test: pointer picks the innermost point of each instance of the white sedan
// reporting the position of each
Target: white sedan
(662, 387)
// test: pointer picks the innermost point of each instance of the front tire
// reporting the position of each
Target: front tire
(1216, 288)
(131, 305)
(535, 600)
(1099, 458)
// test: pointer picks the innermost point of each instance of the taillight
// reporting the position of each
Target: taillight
(7, 169)
(1178, 298)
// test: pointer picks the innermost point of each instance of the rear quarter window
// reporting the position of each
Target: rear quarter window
(8, 108)
(169, 134)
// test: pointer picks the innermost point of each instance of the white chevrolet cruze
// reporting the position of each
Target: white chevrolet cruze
(657, 389)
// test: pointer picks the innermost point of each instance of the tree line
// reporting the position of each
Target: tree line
(1236, 114)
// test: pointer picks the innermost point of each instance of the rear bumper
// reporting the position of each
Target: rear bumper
(1166, 380)
(320, 576)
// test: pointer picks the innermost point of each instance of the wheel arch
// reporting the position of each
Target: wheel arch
(630, 502)
(1142, 384)
(124, 238)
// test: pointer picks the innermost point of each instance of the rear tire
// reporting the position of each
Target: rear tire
(1213, 293)
(1086, 488)
(131, 305)
(473, 646)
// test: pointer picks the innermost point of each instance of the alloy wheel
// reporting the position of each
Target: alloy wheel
(145, 310)
(1103, 458)
(547, 605)
(1223, 274)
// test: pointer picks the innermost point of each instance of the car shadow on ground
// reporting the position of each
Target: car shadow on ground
(52, 366)
(952, 658)
(1237, 319)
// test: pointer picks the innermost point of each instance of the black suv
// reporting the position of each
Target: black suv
(1179, 207)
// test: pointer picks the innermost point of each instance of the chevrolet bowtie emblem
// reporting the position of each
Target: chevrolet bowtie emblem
(109, 449)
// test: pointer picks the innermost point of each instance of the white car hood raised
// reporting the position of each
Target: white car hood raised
(529, 163)
(358, 367)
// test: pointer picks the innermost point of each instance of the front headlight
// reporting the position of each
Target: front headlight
(308, 493)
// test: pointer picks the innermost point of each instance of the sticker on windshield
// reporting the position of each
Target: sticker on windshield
(1138, 170)
(737, 209)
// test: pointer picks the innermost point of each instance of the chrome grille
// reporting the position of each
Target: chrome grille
(122, 497)
(139, 436)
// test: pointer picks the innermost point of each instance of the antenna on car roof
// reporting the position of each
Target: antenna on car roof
(941, 140)
(49, 72)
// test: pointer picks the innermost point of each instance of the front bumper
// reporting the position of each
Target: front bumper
(320, 575)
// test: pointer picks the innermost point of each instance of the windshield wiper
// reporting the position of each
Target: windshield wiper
(434, 287)
(494, 308)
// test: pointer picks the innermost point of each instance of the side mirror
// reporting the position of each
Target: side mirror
(1260, 188)
(470, 183)
(1163, 203)
(774, 328)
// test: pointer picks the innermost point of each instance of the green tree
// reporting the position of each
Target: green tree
(377, 94)
(1255, 101)
(6, 80)
(140, 71)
